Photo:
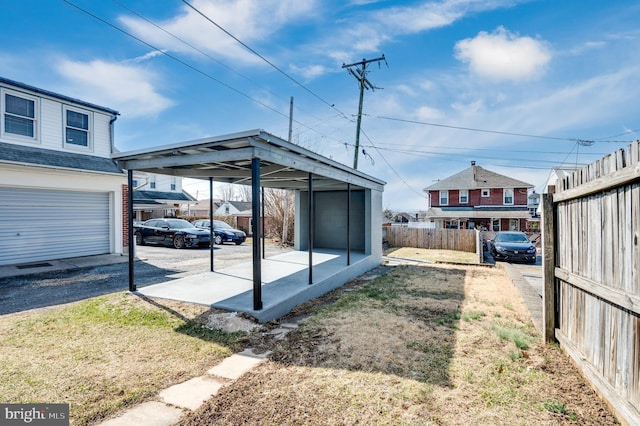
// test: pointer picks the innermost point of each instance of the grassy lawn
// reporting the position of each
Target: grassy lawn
(419, 345)
(103, 354)
(433, 344)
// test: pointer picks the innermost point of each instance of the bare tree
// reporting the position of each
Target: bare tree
(227, 191)
(279, 212)
(244, 192)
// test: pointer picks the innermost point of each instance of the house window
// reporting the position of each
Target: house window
(444, 198)
(77, 130)
(508, 196)
(173, 183)
(20, 115)
(464, 196)
(152, 182)
(485, 193)
(495, 225)
(514, 224)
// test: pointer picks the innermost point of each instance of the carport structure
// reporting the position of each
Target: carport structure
(338, 210)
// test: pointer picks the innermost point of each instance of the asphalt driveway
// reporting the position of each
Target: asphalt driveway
(153, 265)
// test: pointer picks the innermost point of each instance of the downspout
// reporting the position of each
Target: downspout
(112, 132)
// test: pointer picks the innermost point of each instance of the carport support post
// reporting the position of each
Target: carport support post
(348, 224)
(211, 233)
(262, 222)
(255, 230)
(310, 228)
(132, 284)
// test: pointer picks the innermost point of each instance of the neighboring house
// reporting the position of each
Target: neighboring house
(479, 198)
(533, 225)
(200, 208)
(62, 195)
(555, 176)
(157, 196)
(230, 208)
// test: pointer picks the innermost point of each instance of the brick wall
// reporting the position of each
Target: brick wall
(125, 215)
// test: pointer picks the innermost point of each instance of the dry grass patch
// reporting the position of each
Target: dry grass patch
(102, 354)
(430, 255)
(442, 345)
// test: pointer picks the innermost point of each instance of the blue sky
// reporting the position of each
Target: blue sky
(463, 80)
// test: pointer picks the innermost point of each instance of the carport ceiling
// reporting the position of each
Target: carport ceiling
(228, 158)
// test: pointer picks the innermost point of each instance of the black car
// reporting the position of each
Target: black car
(512, 246)
(177, 233)
(222, 231)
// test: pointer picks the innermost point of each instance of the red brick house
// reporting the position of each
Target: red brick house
(479, 198)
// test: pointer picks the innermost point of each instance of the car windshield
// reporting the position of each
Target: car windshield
(179, 224)
(512, 238)
(221, 224)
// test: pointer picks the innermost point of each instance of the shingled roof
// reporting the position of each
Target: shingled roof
(476, 177)
(19, 154)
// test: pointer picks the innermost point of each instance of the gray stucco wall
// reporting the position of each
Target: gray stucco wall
(330, 220)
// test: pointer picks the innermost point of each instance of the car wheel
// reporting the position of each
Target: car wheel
(178, 241)
(217, 239)
(238, 243)
(139, 239)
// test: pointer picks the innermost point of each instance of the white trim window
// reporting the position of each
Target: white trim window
(495, 225)
(464, 196)
(507, 196)
(19, 115)
(485, 193)
(444, 198)
(77, 128)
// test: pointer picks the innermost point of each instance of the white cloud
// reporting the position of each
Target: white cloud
(126, 88)
(251, 21)
(502, 55)
(371, 30)
(147, 56)
(309, 72)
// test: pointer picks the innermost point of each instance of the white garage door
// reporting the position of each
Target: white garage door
(38, 225)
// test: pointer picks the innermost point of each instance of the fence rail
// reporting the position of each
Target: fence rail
(591, 243)
(442, 239)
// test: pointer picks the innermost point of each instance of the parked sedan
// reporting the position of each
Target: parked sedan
(512, 246)
(222, 231)
(177, 233)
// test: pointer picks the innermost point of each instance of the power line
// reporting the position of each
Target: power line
(391, 167)
(186, 43)
(193, 68)
(582, 141)
(260, 56)
(175, 58)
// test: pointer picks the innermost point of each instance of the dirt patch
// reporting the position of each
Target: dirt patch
(435, 344)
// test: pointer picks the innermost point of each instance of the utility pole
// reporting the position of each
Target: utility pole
(361, 75)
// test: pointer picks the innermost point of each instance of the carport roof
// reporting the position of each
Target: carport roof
(228, 158)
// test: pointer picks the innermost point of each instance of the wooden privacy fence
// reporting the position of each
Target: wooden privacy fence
(591, 263)
(444, 239)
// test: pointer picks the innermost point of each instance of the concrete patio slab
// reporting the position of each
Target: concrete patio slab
(285, 282)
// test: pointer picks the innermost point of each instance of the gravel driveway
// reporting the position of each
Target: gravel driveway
(154, 265)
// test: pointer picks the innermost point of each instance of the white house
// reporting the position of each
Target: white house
(62, 194)
(156, 195)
